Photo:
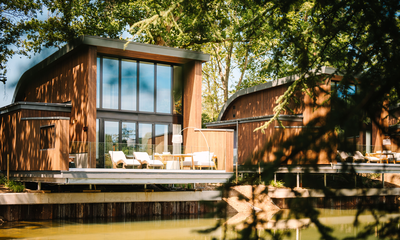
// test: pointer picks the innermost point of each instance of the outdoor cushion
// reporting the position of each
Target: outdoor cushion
(118, 157)
(203, 159)
(144, 158)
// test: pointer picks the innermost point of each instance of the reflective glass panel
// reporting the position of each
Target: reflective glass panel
(178, 86)
(98, 84)
(128, 137)
(145, 137)
(161, 138)
(110, 83)
(164, 85)
(146, 87)
(111, 136)
(128, 85)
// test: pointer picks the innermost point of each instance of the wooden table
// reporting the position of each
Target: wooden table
(181, 158)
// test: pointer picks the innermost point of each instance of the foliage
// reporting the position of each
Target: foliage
(12, 185)
(277, 183)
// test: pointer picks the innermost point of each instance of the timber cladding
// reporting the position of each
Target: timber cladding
(70, 79)
(23, 143)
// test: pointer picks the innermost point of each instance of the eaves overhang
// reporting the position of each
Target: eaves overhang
(54, 107)
(29, 75)
(267, 85)
(231, 122)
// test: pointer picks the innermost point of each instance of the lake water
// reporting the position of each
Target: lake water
(177, 228)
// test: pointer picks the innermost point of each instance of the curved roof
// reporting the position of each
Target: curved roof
(267, 85)
(109, 43)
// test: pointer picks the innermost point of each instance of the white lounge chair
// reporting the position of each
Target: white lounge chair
(118, 157)
(144, 158)
(370, 158)
(204, 159)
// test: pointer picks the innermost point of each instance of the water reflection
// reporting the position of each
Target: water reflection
(341, 221)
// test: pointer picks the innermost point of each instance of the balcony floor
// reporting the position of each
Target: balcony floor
(122, 176)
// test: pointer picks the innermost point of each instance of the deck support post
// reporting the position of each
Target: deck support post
(90, 186)
(355, 180)
(383, 180)
(324, 179)
(275, 178)
(39, 186)
(298, 180)
(145, 186)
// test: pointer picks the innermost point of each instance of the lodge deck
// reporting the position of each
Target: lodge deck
(122, 176)
(334, 168)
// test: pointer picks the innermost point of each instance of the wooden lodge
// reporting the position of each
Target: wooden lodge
(250, 108)
(98, 94)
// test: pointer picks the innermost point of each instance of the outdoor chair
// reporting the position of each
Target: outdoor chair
(344, 156)
(118, 157)
(371, 158)
(358, 157)
(144, 158)
(187, 163)
(396, 157)
(204, 159)
(381, 156)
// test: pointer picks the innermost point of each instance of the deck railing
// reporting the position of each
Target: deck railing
(96, 155)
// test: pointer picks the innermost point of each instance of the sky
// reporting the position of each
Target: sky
(15, 68)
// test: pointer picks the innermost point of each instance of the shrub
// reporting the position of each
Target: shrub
(14, 186)
(277, 184)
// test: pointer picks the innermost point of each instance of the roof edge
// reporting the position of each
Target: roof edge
(271, 84)
(110, 43)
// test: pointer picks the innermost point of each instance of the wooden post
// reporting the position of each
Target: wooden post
(324, 179)
(8, 167)
(383, 180)
(298, 180)
(236, 172)
(275, 178)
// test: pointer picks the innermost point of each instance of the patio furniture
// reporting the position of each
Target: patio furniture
(381, 156)
(118, 157)
(358, 157)
(396, 157)
(144, 158)
(204, 159)
(182, 157)
(344, 156)
(370, 157)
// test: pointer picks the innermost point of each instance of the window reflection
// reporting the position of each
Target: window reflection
(164, 74)
(111, 139)
(178, 89)
(128, 137)
(110, 83)
(145, 137)
(161, 138)
(146, 87)
(128, 85)
(98, 83)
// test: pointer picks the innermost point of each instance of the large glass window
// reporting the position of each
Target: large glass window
(146, 87)
(111, 139)
(145, 136)
(128, 85)
(138, 86)
(110, 83)
(128, 137)
(98, 83)
(178, 90)
(164, 87)
(161, 138)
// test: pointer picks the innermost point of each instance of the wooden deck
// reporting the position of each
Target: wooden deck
(122, 176)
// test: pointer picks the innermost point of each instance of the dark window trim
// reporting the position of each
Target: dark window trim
(54, 137)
